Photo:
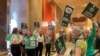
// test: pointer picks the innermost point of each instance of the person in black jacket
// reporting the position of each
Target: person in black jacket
(97, 41)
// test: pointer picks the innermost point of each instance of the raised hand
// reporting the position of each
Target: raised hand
(93, 20)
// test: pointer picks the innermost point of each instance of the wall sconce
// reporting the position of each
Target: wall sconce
(70, 29)
(44, 24)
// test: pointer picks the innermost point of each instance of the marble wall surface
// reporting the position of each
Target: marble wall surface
(3, 20)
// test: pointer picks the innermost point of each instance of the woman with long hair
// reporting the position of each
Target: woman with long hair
(15, 40)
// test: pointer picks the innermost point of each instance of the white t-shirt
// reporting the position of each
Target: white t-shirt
(40, 38)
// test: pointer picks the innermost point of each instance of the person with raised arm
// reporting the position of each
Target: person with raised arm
(90, 35)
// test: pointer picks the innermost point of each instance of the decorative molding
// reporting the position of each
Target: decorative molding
(80, 19)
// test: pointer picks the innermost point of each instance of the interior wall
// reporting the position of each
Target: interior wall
(18, 13)
(3, 24)
(58, 17)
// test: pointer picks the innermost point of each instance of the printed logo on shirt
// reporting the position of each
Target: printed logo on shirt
(33, 43)
(15, 38)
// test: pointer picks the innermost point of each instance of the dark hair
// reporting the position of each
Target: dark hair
(21, 32)
(27, 34)
(15, 30)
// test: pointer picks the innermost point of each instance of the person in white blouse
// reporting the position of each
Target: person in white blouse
(60, 33)
(40, 39)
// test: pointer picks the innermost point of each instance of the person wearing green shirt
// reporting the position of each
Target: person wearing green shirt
(30, 44)
(8, 43)
(90, 39)
(80, 44)
(15, 40)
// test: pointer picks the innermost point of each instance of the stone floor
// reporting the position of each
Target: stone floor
(69, 45)
(3, 53)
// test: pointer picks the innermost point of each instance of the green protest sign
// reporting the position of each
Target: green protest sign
(60, 45)
(23, 26)
(90, 10)
(66, 17)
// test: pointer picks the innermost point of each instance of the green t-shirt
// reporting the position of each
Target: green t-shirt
(12, 37)
(33, 41)
(8, 37)
(90, 41)
(30, 42)
(15, 37)
(82, 44)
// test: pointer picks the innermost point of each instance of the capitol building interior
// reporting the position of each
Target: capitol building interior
(13, 13)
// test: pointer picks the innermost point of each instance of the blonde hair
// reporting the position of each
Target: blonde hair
(77, 28)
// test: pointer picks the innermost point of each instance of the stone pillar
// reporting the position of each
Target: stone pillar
(3, 23)
(35, 13)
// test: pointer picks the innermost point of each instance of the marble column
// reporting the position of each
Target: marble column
(3, 24)
(35, 13)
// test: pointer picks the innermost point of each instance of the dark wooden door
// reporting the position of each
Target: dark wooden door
(3, 23)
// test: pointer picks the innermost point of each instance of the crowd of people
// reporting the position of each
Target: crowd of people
(31, 44)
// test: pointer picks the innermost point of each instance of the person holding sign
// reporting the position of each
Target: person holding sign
(30, 44)
(60, 43)
(35, 33)
(80, 44)
(90, 35)
(40, 39)
(15, 40)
